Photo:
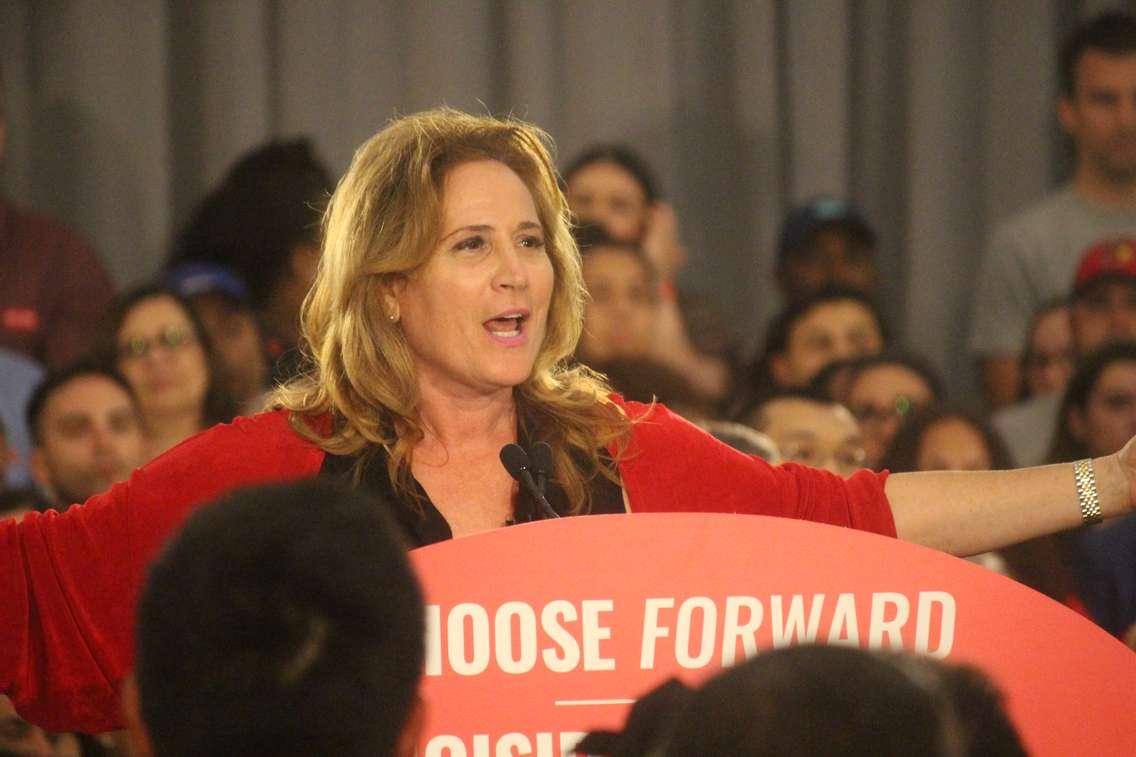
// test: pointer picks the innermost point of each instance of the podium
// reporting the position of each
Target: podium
(541, 632)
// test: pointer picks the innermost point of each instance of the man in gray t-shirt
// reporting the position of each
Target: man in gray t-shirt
(1032, 256)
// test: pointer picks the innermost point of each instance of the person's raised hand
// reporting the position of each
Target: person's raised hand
(661, 243)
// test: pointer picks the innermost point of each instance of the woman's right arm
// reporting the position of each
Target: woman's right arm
(69, 581)
(67, 586)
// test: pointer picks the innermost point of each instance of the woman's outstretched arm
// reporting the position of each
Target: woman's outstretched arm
(69, 581)
(965, 513)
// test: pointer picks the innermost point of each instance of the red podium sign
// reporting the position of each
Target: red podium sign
(541, 632)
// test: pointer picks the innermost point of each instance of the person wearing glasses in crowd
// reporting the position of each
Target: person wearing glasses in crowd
(811, 430)
(882, 390)
(446, 309)
(155, 341)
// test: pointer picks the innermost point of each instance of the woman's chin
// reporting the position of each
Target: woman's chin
(513, 379)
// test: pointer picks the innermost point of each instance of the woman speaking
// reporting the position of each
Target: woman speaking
(440, 330)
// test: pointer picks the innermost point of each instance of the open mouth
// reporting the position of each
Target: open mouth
(507, 326)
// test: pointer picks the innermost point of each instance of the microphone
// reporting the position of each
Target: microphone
(516, 462)
(541, 463)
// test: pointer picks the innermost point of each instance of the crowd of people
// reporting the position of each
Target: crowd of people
(97, 385)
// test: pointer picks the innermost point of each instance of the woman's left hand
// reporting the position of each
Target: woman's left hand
(1126, 460)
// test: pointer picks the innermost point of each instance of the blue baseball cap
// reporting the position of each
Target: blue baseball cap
(819, 213)
(191, 279)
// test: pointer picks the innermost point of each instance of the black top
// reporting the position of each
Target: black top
(421, 521)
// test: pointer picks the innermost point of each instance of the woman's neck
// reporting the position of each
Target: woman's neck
(453, 421)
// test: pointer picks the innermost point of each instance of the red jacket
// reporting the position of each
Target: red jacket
(69, 582)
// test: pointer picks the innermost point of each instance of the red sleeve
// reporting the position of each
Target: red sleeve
(674, 466)
(69, 582)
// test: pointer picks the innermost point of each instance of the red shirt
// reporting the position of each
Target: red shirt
(69, 582)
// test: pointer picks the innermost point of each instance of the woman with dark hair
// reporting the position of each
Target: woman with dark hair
(1049, 356)
(441, 328)
(1095, 411)
(1098, 408)
(942, 438)
(882, 390)
(1047, 363)
(154, 339)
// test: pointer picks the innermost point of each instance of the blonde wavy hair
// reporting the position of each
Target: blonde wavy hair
(382, 224)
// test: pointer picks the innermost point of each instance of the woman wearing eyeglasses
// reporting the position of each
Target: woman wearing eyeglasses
(155, 341)
(882, 390)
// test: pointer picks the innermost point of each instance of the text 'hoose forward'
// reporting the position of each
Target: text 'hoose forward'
(695, 632)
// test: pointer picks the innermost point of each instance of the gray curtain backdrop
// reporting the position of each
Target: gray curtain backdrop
(935, 116)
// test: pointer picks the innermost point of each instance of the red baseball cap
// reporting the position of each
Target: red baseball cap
(1113, 258)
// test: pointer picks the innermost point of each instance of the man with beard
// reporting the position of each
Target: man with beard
(85, 433)
(1033, 255)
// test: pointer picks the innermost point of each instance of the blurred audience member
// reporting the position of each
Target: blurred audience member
(1102, 309)
(970, 703)
(263, 222)
(882, 391)
(86, 431)
(284, 620)
(1103, 306)
(221, 302)
(816, 700)
(832, 381)
(18, 378)
(826, 243)
(621, 314)
(624, 320)
(54, 288)
(744, 439)
(611, 187)
(1049, 357)
(809, 430)
(812, 700)
(1097, 412)
(939, 438)
(811, 334)
(153, 338)
(1032, 255)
